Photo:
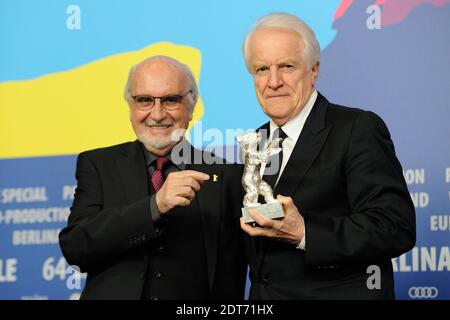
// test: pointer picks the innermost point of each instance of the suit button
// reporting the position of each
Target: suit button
(160, 249)
(157, 274)
(153, 298)
(142, 275)
(264, 282)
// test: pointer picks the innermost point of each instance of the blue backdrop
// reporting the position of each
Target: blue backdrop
(58, 96)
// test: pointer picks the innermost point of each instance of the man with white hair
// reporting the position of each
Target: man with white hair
(148, 222)
(347, 210)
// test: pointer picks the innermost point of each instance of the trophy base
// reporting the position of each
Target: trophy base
(269, 210)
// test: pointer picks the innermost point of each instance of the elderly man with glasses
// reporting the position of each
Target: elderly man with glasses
(148, 222)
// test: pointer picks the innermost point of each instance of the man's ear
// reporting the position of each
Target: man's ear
(315, 72)
(191, 112)
(194, 102)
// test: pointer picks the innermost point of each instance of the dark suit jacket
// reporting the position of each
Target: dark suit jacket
(346, 181)
(110, 224)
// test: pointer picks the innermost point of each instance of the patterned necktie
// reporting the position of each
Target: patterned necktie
(157, 177)
(276, 159)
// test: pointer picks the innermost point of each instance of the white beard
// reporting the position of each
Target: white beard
(161, 143)
(155, 143)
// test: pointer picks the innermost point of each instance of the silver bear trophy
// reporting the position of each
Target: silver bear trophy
(251, 178)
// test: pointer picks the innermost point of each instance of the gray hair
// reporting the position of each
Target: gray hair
(311, 52)
(180, 66)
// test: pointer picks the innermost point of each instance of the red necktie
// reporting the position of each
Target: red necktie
(157, 177)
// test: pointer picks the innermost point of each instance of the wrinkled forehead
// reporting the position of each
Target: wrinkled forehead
(275, 44)
(158, 78)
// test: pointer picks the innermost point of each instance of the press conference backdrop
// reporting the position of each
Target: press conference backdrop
(63, 65)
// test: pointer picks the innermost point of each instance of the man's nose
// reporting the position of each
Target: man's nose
(275, 79)
(158, 113)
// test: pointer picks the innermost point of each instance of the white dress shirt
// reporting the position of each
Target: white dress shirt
(292, 128)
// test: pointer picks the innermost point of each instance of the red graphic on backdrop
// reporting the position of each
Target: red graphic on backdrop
(393, 11)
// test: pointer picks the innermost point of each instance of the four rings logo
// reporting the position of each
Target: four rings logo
(423, 292)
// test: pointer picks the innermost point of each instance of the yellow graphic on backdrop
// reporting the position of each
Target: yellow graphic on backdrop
(79, 109)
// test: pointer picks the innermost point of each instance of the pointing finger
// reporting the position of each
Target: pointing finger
(197, 175)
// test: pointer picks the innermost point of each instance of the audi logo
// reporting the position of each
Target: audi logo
(423, 292)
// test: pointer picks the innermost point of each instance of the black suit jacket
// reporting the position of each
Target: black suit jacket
(110, 224)
(346, 181)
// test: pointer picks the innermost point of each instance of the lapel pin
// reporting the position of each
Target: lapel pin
(215, 178)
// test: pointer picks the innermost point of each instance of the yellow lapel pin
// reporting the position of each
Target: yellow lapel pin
(215, 178)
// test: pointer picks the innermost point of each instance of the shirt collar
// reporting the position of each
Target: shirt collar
(150, 157)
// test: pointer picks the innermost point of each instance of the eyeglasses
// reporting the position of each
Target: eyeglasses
(169, 102)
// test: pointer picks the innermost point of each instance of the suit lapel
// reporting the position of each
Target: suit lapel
(209, 201)
(307, 148)
(132, 171)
